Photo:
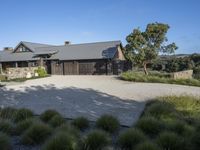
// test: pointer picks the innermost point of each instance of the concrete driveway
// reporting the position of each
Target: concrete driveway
(89, 96)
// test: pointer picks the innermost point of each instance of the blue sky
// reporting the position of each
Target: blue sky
(79, 21)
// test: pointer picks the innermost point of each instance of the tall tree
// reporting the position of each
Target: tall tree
(144, 47)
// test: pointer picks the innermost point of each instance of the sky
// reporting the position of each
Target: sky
(85, 21)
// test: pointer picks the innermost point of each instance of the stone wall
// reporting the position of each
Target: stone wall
(183, 74)
(20, 72)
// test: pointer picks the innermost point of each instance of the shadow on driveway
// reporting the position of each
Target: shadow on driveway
(72, 102)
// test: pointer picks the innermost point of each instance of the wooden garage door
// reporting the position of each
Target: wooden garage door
(86, 68)
(70, 68)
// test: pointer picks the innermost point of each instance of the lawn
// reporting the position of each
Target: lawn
(167, 123)
(157, 77)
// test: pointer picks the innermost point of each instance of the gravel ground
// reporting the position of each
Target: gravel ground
(89, 96)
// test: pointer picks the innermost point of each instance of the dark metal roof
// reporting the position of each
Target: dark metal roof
(98, 50)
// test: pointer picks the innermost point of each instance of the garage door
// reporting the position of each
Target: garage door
(86, 68)
(70, 68)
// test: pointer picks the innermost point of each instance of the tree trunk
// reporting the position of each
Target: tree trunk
(145, 68)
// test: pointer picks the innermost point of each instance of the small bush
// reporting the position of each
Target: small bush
(160, 109)
(36, 134)
(170, 140)
(147, 146)
(22, 114)
(69, 129)
(96, 140)
(130, 138)
(150, 125)
(5, 142)
(6, 126)
(61, 141)
(56, 121)
(81, 123)
(23, 126)
(41, 72)
(48, 115)
(195, 140)
(108, 123)
(7, 113)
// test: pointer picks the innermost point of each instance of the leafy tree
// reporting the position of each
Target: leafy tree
(144, 47)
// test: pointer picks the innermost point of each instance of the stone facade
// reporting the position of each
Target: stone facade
(183, 74)
(20, 72)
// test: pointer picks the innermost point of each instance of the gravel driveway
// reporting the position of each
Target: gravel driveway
(89, 96)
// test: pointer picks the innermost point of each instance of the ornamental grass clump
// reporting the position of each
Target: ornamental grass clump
(81, 123)
(48, 115)
(36, 134)
(23, 125)
(171, 141)
(6, 126)
(56, 121)
(7, 113)
(5, 142)
(147, 146)
(130, 138)
(61, 141)
(22, 114)
(150, 125)
(96, 140)
(108, 123)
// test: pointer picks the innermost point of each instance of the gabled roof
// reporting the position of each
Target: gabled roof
(32, 46)
(98, 50)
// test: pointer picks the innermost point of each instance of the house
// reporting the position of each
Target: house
(68, 59)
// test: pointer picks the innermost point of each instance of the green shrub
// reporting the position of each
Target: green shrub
(160, 109)
(69, 129)
(23, 126)
(5, 142)
(36, 134)
(48, 115)
(81, 123)
(157, 78)
(108, 123)
(96, 140)
(146, 146)
(130, 138)
(6, 126)
(187, 105)
(170, 140)
(61, 141)
(22, 114)
(150, 125)
(2, 77)
(7, 113)
(56, 121)
(41, 72)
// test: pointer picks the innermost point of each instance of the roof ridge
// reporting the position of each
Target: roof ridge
(81, 44)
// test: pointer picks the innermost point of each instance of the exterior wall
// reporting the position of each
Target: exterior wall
(13, 73)
(183, 74)
(119, 55)
(1, 71)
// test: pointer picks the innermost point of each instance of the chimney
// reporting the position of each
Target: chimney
(8, 48)
(67, 43)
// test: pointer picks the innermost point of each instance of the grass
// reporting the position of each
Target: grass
(4, 142)
(36, 134)
(96, 140)
(108, 123)
(48, 115)
(157, 78)
(130, 138)
(61, 141)
(22, 114)
(173, 121)
(81, 123)
(170, 122)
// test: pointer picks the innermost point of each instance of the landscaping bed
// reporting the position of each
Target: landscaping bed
(167, 123)
(157, 77)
